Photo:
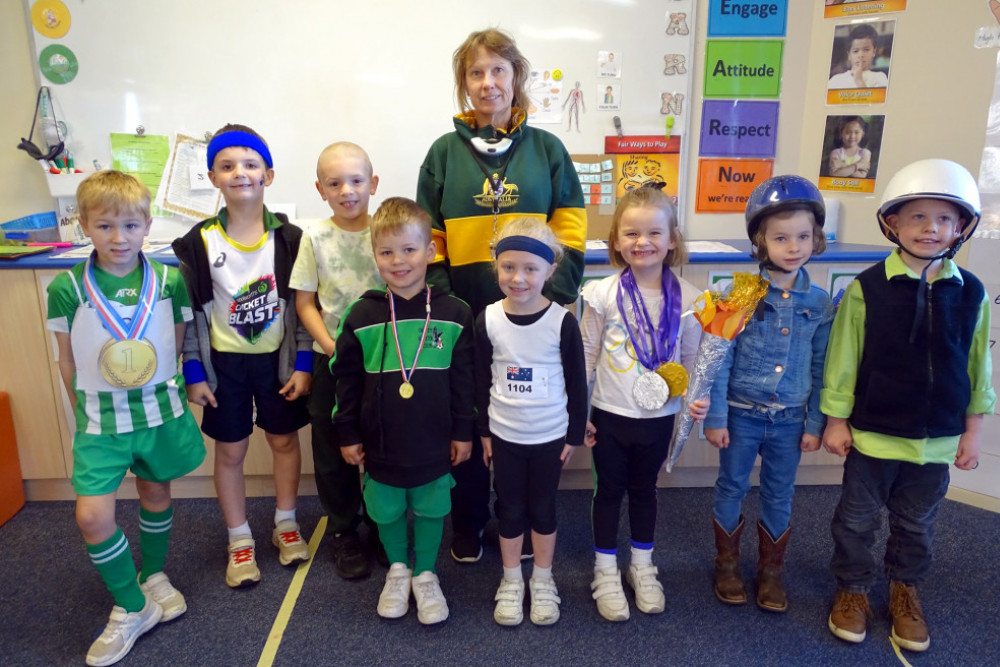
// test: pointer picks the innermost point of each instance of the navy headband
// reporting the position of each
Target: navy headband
(527, 244)
(237, 138)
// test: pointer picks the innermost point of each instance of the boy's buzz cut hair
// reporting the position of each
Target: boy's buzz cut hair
(396, 213)
(342, 147)
(113, 191)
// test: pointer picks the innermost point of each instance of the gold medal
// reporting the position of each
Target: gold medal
(406, 390)
(128, 364)
(676, 376)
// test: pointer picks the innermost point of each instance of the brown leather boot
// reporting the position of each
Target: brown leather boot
(770, 565)
(728, 583)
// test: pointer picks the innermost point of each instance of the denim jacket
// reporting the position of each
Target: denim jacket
(777, 361)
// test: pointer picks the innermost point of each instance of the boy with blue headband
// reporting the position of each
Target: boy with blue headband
(247, 354)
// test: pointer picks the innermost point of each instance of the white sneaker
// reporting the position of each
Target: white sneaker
(648, 589)
(510, 602)
(609, 594)
(544, 601)
(431, 605)
(395, 598)
(120, 633)
(171, 601)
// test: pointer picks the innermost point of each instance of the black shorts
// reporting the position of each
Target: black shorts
(247, 394)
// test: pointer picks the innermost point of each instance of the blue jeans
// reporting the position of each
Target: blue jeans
(912, 494)
(775, 435)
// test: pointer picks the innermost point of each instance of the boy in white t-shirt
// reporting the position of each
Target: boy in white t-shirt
(335, 266)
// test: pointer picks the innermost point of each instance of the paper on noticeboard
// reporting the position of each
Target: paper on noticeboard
(176, 195)
(144, 157)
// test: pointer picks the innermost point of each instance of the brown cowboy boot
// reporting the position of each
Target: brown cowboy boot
(771, 563)
(728, 583)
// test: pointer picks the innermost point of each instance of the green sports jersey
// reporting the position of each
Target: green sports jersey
(102, 408)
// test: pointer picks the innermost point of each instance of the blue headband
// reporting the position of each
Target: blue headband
(236, 138)
(527, 244)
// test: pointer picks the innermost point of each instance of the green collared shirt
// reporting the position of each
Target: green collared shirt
(843, 357)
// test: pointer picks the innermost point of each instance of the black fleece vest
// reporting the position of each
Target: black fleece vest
(919, 389)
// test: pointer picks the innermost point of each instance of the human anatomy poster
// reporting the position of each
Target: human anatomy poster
(545, 96)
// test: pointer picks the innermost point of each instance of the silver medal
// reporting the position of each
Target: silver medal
(650, 391)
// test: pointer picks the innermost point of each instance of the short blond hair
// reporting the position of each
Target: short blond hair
(536, 229)
(501, 44)
(343, 147)
(653, 198)
(113, 191)
(395, 213)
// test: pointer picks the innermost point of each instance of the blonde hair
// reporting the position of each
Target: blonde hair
(113, 191)
(395, 213)
(653, 198)
(533, 228)
(501, 44)
(341, 148)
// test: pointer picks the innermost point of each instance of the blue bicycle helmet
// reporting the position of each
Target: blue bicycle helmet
(779, 193)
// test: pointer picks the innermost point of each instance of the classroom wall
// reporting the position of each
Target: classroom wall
(22, 184)
(937, 105)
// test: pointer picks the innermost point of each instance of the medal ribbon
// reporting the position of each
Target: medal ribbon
(395, 336)
(663, 337)
(109, 317)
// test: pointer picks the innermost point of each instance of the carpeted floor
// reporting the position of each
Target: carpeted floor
(54, 603)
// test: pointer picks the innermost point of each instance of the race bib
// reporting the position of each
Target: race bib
(523, 382)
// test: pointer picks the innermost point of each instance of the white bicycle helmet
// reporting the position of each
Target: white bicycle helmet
(933, 179)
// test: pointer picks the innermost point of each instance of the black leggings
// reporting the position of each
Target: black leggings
(627, 457)
(526, 478)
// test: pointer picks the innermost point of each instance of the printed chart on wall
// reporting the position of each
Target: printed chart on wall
(738, 134)
(859, 62)
(852, 8)
(851, 149)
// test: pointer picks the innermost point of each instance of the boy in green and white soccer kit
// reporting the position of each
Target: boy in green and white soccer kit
(118, 320)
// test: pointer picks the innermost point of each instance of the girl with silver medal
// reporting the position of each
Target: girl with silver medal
(632, 412)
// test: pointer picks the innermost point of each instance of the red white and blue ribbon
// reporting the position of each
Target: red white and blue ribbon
(395, 336)
(116, 325)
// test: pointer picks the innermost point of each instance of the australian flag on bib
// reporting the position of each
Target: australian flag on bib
(517, 374)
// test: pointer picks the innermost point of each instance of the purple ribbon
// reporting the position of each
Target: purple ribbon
(664, 331)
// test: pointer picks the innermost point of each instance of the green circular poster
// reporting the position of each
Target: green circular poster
(58, 64)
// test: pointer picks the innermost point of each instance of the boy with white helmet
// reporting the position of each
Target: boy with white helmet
(907, 382)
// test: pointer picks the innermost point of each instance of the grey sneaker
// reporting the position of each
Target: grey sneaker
(120, 633)
(241, 570)
(394, 601)
(431, 605)
(171, 601)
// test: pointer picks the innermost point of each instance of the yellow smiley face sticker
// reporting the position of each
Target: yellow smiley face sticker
(557, 74)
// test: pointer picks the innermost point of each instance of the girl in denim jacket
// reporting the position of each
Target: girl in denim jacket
(765, 399)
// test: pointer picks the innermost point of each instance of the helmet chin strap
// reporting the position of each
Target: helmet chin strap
(918, 314)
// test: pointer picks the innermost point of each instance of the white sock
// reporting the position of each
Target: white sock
(243, 530)
(513, 573)
(642, 557)
(603, 561)
(283, 515)
(541, 573)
